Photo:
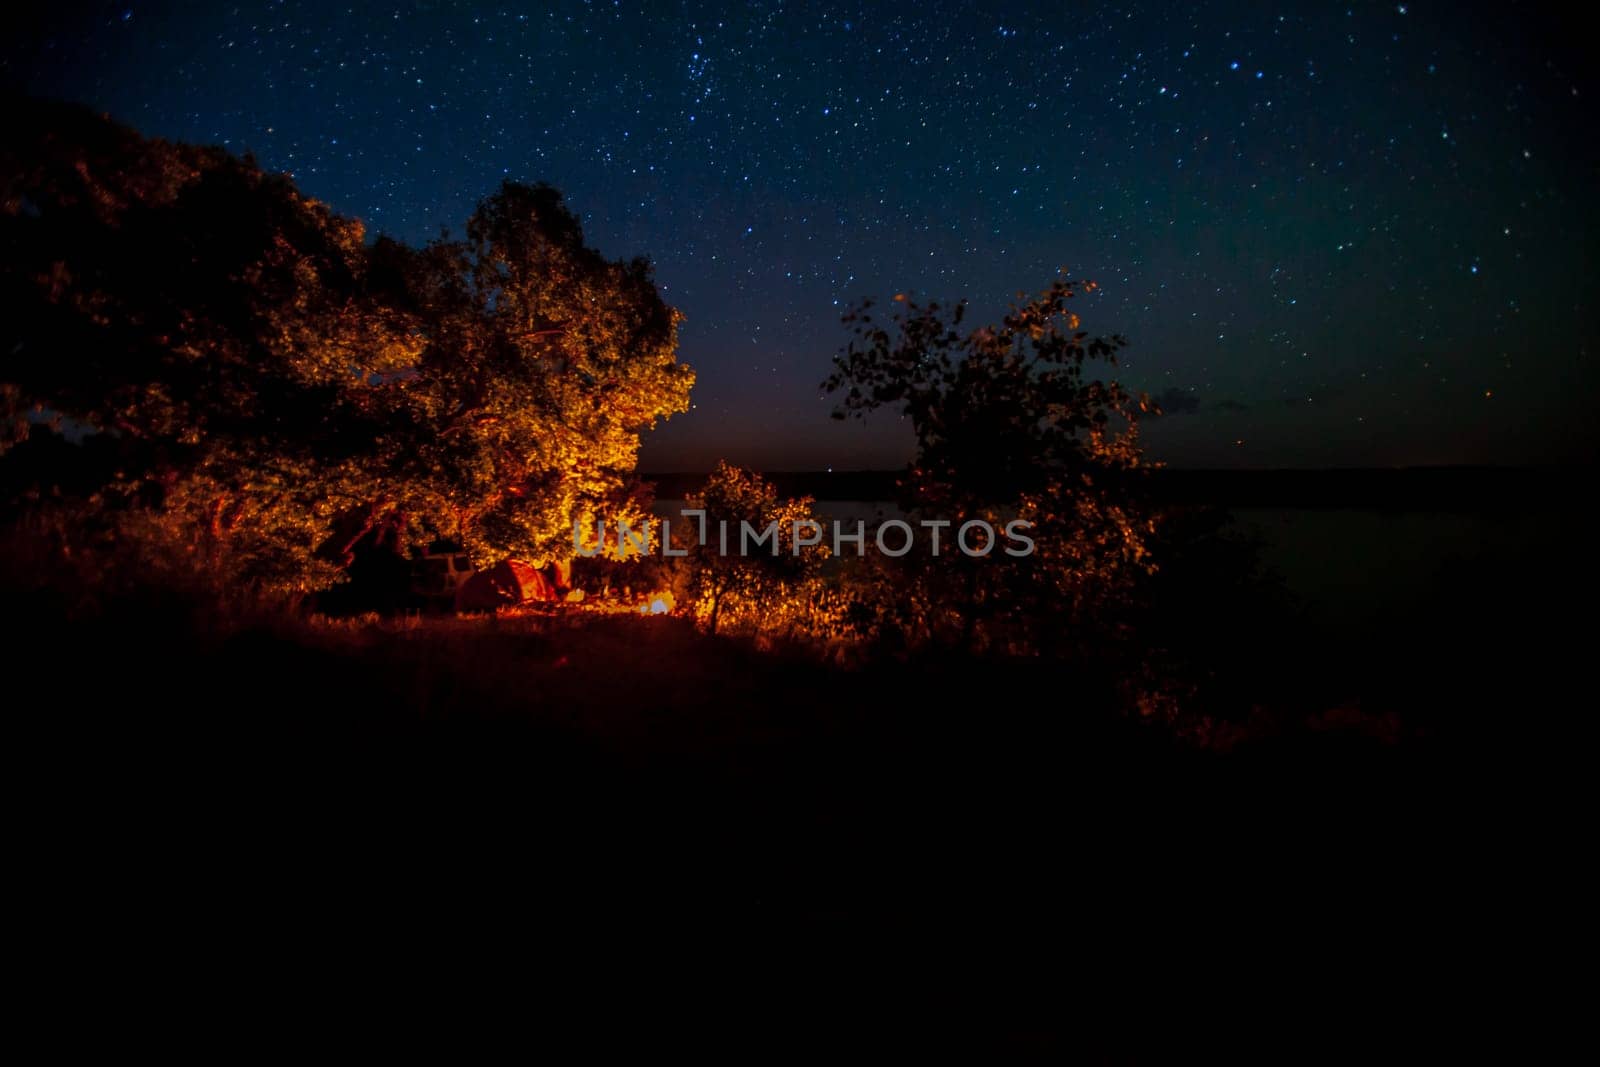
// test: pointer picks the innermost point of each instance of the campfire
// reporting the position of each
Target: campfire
(660, 603)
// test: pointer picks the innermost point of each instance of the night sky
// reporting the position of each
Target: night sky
(1334, 234)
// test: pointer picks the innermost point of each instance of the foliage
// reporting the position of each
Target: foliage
(1010, 424)
(770, 586)
(543, 361)
(263, 387)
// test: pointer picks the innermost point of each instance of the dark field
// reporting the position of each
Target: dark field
(797, 849)
(987, 843)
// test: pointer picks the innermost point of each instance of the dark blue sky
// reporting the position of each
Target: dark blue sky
(1342, 234)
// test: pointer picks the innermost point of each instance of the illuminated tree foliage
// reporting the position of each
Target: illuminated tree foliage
(542, 362)
(263, 386)
(1009, 423)
(763, 586)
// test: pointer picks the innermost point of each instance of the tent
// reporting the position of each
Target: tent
(507, 583)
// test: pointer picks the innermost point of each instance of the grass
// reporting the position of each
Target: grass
(591, 787)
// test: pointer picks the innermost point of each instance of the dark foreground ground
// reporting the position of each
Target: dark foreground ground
(690, 841)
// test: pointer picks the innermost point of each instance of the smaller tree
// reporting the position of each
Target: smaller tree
(746, 568)
(1009, 424)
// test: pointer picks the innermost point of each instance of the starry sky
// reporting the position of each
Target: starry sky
(1334, 234)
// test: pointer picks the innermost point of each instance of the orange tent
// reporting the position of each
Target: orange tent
(507, 583)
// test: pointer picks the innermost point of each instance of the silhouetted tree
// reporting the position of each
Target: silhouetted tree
(1009, 424)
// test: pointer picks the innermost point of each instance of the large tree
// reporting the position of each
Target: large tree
(263, 383)
(542, 361)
